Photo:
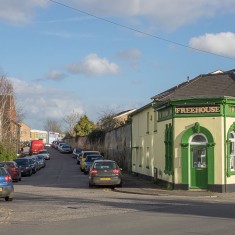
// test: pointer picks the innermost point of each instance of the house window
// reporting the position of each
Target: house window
(168, 149)
(232, 151)
(147, 122)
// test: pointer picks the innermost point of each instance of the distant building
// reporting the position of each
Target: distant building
(122, 117)
(24, 132)
(39, 134)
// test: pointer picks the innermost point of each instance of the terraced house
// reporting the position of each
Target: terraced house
(186, 136)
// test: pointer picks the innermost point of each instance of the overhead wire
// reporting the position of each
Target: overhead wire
(139, 31)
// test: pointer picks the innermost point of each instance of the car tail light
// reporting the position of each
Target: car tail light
(93, 172)
(116, 171)
(8, 178)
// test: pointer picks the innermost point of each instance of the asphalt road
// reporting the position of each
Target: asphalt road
(57, 200)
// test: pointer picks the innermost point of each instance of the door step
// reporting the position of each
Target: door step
(198, 190)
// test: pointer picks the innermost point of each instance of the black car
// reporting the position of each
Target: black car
(105, 173)
(33, 164)
(25, 166)
(77, 152)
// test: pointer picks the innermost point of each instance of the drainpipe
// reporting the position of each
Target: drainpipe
(173, 146)
(225, 148)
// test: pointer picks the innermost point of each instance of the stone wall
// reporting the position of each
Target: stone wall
(115, 146)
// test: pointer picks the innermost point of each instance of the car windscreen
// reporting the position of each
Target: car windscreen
(43, 151)
(105, 165)
(22, 162)
(90, 153)
(3, 171)
(10, 164)
(92, 158)
(65, 146)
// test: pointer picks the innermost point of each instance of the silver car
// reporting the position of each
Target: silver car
(45, 154)
(105, 173)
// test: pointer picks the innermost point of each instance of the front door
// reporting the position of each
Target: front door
(198, 168)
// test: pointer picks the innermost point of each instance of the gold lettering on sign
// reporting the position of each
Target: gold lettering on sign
(192, 110)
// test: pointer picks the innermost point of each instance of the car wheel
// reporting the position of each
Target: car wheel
(90, 185)
(20, 179)
(8, 199)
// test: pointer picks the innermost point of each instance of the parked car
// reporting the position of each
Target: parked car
(13, 170)
(45, 153)
(41, 159)
(24, 166)
(59, 145)
(65, 149)
(6, 185)
(33, 163)
(79, 158)
(89, 161)
(105, 173)
(39, 162)
(83, 157)
(76, 152)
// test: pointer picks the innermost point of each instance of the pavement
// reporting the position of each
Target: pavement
(138, 185)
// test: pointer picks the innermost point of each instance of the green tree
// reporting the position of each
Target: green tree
(84, 126)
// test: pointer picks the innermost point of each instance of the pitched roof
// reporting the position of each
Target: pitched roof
(205, 85)
(124, 112)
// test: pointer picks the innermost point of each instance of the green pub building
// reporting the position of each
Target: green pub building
(186, 136)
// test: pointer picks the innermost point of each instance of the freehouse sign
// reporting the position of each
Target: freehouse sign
(197, 110)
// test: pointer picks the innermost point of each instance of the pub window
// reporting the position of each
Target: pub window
(232, 151)
(168, 149)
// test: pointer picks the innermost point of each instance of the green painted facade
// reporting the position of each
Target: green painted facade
(199, 109)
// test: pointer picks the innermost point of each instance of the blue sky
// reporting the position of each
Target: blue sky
(61, 60)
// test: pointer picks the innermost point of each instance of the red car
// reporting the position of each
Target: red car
(13, 170)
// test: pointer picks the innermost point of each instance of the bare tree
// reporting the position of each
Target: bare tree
(70, 121)
(9, 128)
(20, 111)
(107, 122)
(52, 125)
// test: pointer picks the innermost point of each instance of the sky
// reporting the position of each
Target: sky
(97, 56)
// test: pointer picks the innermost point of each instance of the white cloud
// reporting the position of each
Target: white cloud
(93, 65)
(41, 103)
(164, 13)
(220, 43)
(55, 75)
(20, 11)
(167, 13)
